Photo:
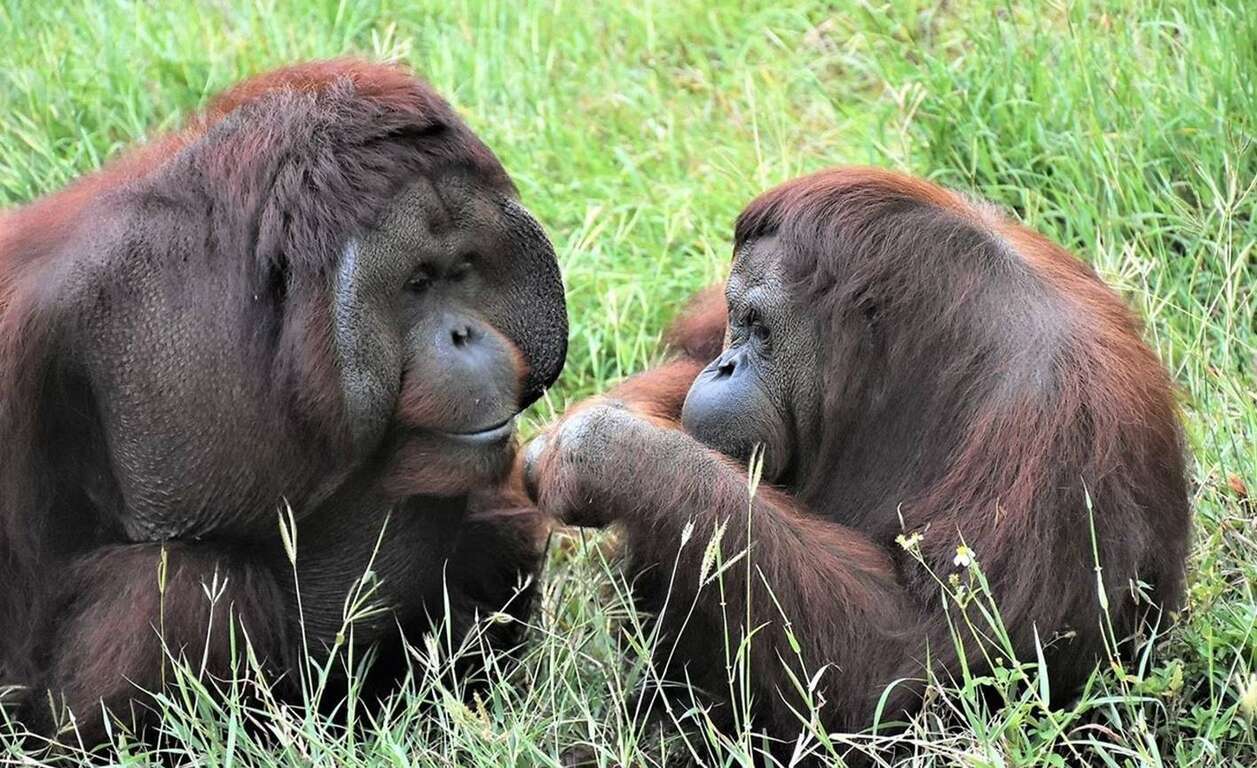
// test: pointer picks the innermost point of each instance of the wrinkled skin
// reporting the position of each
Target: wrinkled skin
(430, 364)
(322, 302)
(760, 391)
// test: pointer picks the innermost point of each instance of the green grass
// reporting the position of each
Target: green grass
(636, 131)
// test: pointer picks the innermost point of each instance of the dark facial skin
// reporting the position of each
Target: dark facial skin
(762, 388)
(447, 318)
(428, 310)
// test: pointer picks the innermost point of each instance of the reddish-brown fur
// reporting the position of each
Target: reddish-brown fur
(80, 606)
(1011, 385)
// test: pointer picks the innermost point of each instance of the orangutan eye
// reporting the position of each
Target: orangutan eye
(419, 282)
(461, 271)
(755, 326)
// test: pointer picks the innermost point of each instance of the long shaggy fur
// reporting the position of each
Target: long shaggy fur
(255, 197)
(981, 387)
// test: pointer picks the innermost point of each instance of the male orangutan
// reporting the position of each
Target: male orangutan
(926, 378)
(323, 296)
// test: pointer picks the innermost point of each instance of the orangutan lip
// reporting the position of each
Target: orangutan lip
(493, 434)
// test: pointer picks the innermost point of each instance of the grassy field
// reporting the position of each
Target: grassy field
(636, 131)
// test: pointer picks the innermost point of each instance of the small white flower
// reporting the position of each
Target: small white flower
(964, 557)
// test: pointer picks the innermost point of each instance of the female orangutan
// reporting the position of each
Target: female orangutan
(932, 385)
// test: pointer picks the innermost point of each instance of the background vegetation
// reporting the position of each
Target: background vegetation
(636, 131)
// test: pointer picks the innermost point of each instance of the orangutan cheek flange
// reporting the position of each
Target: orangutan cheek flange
(322, 300)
